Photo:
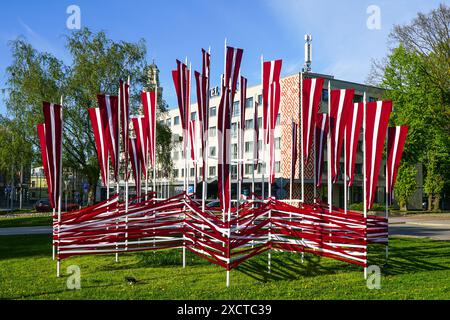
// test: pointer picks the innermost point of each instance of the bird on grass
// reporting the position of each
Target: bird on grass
(130, 280)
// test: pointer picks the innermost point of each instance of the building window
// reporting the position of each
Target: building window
(249, 103)
(169, 122)
(248, 147)
(236, 108)
(260, 99)
(213, 112)
(260, 145)
(176, 120)
(192, 172)
(212, 151)
(372, 99)
(176, 155)
(277, 167)
(325, 95)
(212, 132)
(182, 173)
(176, 172)
(277, 143)
(358, 168)
(358, 98)
(261, 168)
(278, 119)
(234, 129)
(249, 124)
(212, 171)
(194, 116)
(249, 168)
(234, 151)
(260, 122)
(233, 171)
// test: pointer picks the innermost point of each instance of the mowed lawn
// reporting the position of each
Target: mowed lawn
(417, 269)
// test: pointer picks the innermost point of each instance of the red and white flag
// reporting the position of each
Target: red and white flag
(341, 104)
(135, 164)
(181, 80)
(271, 94)
(223, 125)
(109, 111)
(256, 135)
(232, 68)
(273, 111)
(124, 107)
(140, 128)
(44, 156)
(312, 94)
(294, 154)
(192, 139)
(53, 142)
(243, 101)
(395, 146)
(322, 126)
(203, 109)
(376, 123)
(100, 142)
(149, 105)
(352, 133)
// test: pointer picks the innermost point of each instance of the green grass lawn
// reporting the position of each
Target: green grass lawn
(417, 269)
(25, 222)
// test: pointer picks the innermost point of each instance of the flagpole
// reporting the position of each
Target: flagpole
(126, 166)
(315, 160)
(364, 172)
(292, 163)
(154, 138)
(255, 145)
(263, 171)
(58, 264)
(118, 171)
(329, 182)
(302, 155)
(387, 188)
(345, 171)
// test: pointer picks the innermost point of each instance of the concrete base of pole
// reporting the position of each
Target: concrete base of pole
(228, 278)
(303, 257)
(365, 273)
(269, 262)
(117, 257)
(53, 253)
(184, 257)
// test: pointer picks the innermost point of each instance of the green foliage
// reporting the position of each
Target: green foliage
(416, 75)
(359, 206)
(406, 184)
(97, 65)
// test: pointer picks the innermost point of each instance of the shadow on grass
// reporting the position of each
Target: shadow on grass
(406, 257)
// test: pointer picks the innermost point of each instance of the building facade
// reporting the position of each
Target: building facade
(289, 111)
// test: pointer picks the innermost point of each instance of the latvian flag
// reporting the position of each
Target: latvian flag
(395, 146)
(341, 105)
(352, 132)
(50, 137)
(149, 105)
(124, 107)
(109, 111)
(376, 123)
(321, 138)
(181, 80)
(135, 164)
(99, 128)
(140, 129)
(312, 94)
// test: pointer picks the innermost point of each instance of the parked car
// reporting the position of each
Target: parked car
(42, 206)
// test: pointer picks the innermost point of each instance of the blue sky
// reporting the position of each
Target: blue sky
(343, 45)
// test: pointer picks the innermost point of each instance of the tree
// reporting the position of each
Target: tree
(416, 75)
(406, 185)
(96, 67)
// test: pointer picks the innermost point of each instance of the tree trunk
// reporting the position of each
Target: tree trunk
(430, 202)
(436, 202)
(91, 194)
(403, 206)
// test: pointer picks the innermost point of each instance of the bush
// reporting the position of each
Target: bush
(360, 207)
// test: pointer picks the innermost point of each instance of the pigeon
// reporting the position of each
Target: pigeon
(130, 280)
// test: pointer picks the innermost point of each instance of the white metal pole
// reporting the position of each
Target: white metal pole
(329, 182)
(364, 170)
(345, 171)
(154, 124)
(294, 143)
(58, 264)
(302, 153)
(387, 190)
